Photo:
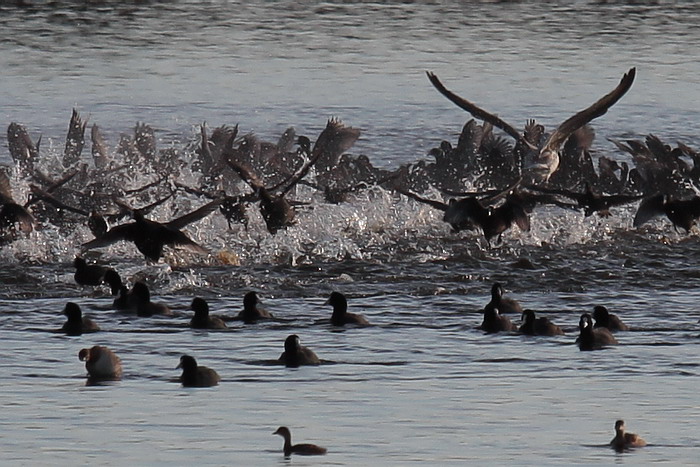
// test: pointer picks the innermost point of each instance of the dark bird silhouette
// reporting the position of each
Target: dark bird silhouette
(77, 324)
(547, 160)
(495, 322)
(251, 311)
(593, 339)
(470, 214)
(624, 440)
(533, 326)
(504, 304)
(150, 236)
(196, 376)
(295, 354)
(340, 316)
(683, 213)
(201, 318)
(303, 449)
(604, 319)
(591, 201)
(123, 299)
(140, 296)
(88, 274)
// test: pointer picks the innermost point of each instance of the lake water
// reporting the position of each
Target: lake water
(421, 386)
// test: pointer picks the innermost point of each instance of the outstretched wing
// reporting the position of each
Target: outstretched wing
(600, 107)
(473, 109)
(195, 215)
(648, 209)
(127, 232)
(436, 204)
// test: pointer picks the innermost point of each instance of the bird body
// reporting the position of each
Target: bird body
(101, 363)
(77, 324)
(340, 316)
(295, 354)
(194, 375)
(593, 339)
(624, 440)
(303, 449)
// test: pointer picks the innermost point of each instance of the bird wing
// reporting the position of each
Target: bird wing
(600, 107)
(126, 232)
(474, 110)
(49, 198)
(648, 209)
(554, 191)
(436, 204)
(5, 188)
(180, 239)
(195, 215)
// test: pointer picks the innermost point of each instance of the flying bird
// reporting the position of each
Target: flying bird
(547, 160)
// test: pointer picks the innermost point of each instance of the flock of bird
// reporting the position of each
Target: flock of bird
(135, 178)
(512, 179)
(103, 364)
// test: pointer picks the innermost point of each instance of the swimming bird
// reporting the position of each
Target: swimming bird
(196, 376)
(593, 339)
(303, 449)
(124, 299)
(141, 297)
(547, 160)
(295, 354)
(251, 311)
(101, 363)
(150, 236)
(201, 318)
(14, 218)
(624, 440)
(340, 316)
(683, 213)
(504, 304)
(541, 326)
(604, 319)
(495, 322)
(88, 274)
(77, 324)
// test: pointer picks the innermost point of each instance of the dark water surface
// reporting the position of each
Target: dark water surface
(422, 385)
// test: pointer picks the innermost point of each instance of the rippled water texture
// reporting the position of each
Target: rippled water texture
(421, 385)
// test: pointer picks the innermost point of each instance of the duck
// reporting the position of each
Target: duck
(542, 326)
(150, 237)
(196, 376)
(201, 318)
(77, 324)
(496, 322)
(623, 440)
(604, 319)
(251, 311)
(88, 274)
(305, 449)
(124, 300)
(593, 338)
(141, 296)
(340, 316)
(101, 363)
(295, 354)
(504, 305)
